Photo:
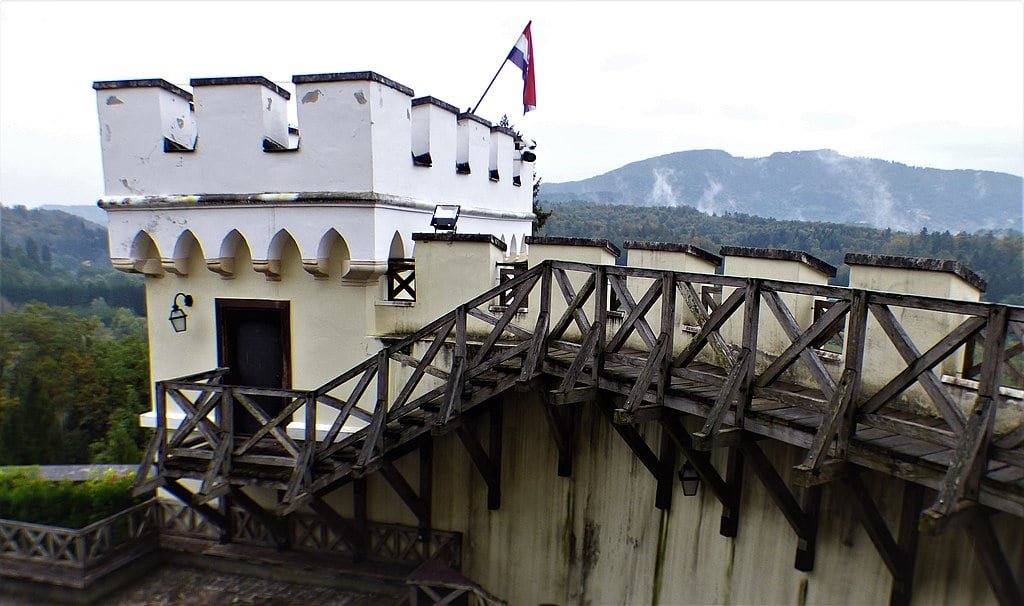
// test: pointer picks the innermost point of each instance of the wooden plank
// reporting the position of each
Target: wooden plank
(523, 291)
(701, 462)
(278, 432)
(643, 382)
(493, 320)
(873, 523)
(483, 463)
(903, 582)
(572, 375)
(777, 489)
(349, 407)
(423, 364)
(826, 432)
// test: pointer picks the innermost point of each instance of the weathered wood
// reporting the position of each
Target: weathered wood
(282, 417)
(423, 364)
(561, 424)
(635, 313)
(481, 459)
(993, 561)
(798, 520)
(495, 435)
(572, 376)
(701, 462)
(275, 429)
(493, 320)
(350, 405)
(903, 583)
(667, 455)
(522, 293)
(730, 522)
(874, 524)
(729, 393)
(576, 395)
(714, 322)
(575, 301)
(935, 354)
(654, 364)
(211, 515)
(841, 401)
(908, 351)
(537, 352)
(635, 441)
(715, 339)
(413, 501)
(800, 346)
(810, 504)
(349, 532)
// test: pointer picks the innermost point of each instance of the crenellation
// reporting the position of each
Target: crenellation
(360, 132)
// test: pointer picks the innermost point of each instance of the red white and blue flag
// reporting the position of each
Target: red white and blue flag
(522, 55)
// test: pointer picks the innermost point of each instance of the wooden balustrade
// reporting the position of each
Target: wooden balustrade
(731, 350)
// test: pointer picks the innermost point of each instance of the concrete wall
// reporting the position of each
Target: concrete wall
(596, 538)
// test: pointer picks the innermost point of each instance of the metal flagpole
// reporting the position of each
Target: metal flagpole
(477, 106)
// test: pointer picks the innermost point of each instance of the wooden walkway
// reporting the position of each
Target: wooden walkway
(662, 356)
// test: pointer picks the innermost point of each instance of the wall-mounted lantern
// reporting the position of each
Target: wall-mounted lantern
(689, 479)
(445, 217)
(178, 316)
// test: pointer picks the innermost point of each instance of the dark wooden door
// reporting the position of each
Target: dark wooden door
(254, 343)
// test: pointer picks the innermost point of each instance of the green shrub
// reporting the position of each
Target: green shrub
(26, 497)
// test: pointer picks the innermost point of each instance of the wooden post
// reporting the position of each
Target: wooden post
(426, 451)
(857, 325)
(751, 314)
(730, 523)
(600, 320)
(494, 453)
(359, 513)
(668, 322)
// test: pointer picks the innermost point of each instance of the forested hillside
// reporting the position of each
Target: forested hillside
(60, 259)
(819, 185)
(74, 363)
(999, 258)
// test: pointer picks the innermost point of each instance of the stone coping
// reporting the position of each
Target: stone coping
(352, 76)
(674, 248)
(504, 129)
(780, 254)
(310, 199)
(435, 102)
(143, 83)
(234, 80)
(474, 118)
(919, 263)
(456, 237)
(561, 241)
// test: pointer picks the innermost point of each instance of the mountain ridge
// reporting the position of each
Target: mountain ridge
(809, 185)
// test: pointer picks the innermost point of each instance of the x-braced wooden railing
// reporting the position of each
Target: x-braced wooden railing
(740, 364)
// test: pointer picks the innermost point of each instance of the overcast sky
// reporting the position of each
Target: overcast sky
(937, 84)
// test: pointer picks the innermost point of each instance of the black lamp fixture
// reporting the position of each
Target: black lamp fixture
(178, 316)
(689, 479)
(445, 217)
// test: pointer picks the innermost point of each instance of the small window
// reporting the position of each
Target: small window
(832, 339)
(401, 278)
(506, 272)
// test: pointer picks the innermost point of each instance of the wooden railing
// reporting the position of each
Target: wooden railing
(751, 347)
(81, 548)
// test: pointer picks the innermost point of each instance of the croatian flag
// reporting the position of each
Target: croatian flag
(522, 55)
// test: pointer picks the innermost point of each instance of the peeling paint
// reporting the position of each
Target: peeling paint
(270, 101)
(360, 97)
(312, 96)
(113, 100)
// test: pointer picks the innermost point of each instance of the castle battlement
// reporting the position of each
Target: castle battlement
(357, 132)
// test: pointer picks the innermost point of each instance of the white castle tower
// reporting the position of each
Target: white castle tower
(272, 228)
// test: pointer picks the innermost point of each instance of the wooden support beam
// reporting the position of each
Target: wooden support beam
(575, 300)
(183, 494)
(667, 455)
(874, 524)
(903, 583)
(576, 395)
(701, 461)
(810, 471)
(561, 424)
(635, 441)
(481, 459)
(426, 476)
(413, 501)
(359, 509)
(730, 523)
(349, 532)
(802, 517)
(495, 436)
(277, 526)
(993, 560)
